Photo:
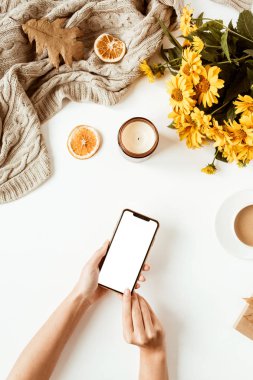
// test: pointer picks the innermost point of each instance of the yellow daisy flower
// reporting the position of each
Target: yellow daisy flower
(246, 122)
(191, 66)
(244, 105)
(239, 133)
(189, 131)
(208, 86)
(244, 153)
(209, 169)
(186, 24)
(229, 152)
(202, 120)
(181, 92)
(197, 44)
(177, 117)
(146, 69)
(186, 43)
(216, 133)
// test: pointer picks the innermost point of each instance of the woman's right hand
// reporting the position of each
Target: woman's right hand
(142, 328)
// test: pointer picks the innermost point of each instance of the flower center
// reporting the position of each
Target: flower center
(177, 95)
(203, 85)
(251, 108)
(187, 69)
(241, 134)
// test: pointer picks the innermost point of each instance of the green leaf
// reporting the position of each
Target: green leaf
(239, 85)
(231, 113)
(167, 33)
(212, 30)
(224, 44)
(199, 20)
(232, 44)
(209, 55)
(220, 157)
(249, 63)
(250, 75)
(245, 24)
(206, 36)
(174, 53)
(173, 70)
(171, 125)
(218, 24)
(163, 53)
(231, 26)
(249, 52)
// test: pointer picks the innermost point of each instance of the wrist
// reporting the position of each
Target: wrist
(80, 298)
(153, 353)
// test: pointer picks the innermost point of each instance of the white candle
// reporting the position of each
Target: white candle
(138, 138)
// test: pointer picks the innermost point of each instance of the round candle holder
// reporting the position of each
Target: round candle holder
(138, 138)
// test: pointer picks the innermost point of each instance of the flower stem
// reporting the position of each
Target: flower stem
(176, 59)
(213, 46)
(214, 159)
(234, 60)
(218, 109)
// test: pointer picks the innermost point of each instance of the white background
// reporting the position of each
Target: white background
(195, 287)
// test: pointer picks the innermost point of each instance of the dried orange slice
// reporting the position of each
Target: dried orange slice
(83, 142)
(109, 48)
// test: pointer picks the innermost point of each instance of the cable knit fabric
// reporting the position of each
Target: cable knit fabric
(32, 90)
(240, 5)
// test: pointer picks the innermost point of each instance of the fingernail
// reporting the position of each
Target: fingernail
(127, 292)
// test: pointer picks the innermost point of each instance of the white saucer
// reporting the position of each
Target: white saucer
(224, 224)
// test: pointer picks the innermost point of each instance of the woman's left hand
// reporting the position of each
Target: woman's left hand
(87, 285)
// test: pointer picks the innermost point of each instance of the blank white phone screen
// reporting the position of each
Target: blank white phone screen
(127, 252)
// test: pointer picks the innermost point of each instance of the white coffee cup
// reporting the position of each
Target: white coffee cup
(225, 224)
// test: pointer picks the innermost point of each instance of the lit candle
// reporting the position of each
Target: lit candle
(138, 138)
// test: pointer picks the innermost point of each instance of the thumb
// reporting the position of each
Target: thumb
(99, 254)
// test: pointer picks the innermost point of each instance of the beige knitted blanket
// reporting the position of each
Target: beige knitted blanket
(31, 90)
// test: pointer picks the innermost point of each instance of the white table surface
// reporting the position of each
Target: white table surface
(194, 285)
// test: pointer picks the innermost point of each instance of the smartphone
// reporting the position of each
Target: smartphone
(130, 244)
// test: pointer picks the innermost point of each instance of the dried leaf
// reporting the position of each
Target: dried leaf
(55, 39)
(249, 301)
(249, 317)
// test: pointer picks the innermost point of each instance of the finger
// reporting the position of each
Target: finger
(153, 315)
(146, 267)
(127, 313)
(99, 254)
(141, 278)
(137, 315)
(137, 286)
(147, 320)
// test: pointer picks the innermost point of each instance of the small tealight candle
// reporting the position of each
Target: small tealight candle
(138, 138)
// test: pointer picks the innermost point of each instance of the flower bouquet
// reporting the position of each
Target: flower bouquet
(211, 87)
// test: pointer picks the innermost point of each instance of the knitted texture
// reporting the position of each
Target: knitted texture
(240, 5)
(32, 90)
